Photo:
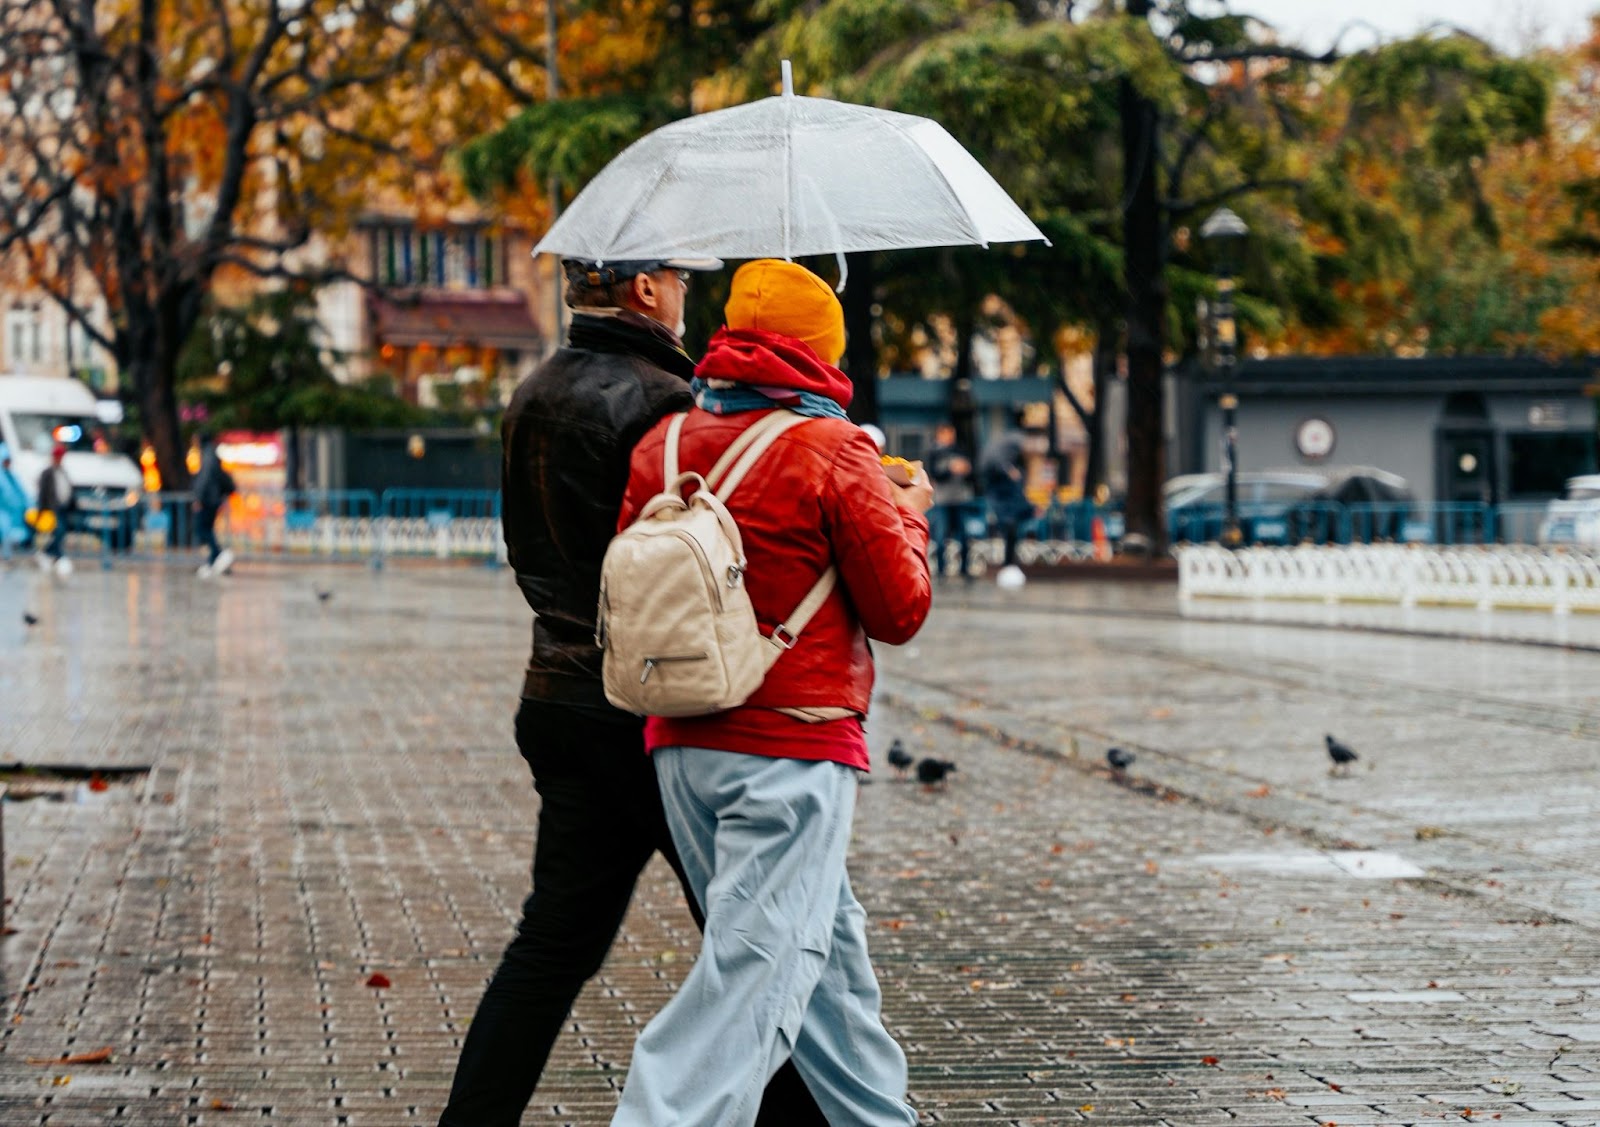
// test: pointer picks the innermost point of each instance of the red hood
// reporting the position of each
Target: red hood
(763, 359)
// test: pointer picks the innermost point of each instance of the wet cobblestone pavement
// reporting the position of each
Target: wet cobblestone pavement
(1226, 935)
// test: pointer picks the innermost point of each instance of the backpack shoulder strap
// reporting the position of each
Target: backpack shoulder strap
(787, 633)
(669, 449)
(739, 445)
(743, 453)
(769, 428)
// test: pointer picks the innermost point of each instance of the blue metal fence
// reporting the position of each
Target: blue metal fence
(463, 523)
(1399, 522)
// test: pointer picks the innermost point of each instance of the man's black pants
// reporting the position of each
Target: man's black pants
(600, 819)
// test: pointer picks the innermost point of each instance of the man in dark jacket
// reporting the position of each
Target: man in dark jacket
(56, 498)
(1002, 469)
(213, 485)
(567, 438)
(951, 473)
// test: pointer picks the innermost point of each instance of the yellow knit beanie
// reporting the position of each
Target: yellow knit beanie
(781, 297)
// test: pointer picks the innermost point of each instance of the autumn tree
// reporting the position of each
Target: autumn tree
(1041, 94)
(267, 365)
(622, 69)
(151, 148)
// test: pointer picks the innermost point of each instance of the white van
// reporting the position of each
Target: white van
(1575, 517)
(38, 413)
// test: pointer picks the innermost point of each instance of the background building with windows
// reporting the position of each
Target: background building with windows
(1489, 429)
(37, 338)
(454, 314)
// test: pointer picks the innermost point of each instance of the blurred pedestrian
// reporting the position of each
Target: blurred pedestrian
(760, 798)
(56, 506)
(951, 472)
(1002, 469)
(13, 507)
(566, 439)
(213, 485)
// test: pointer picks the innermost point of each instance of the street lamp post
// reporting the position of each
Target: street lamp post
(1227, 231)
(552, 91)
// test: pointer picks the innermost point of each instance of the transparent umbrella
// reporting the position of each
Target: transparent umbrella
(787, 177)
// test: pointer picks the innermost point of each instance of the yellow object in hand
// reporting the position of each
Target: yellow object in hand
(899, 471)
(42, 522)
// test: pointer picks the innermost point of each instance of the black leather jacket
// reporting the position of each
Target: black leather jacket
(566, 441)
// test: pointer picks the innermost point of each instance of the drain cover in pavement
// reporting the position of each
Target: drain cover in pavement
(1363, 863)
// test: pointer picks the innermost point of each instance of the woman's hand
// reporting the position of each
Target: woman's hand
(918, 496)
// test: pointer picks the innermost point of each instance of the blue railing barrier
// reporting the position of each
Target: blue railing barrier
(373, 526)
(1391, 522)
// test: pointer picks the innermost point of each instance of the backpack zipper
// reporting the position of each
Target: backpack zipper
(650, 663)
(705, 566)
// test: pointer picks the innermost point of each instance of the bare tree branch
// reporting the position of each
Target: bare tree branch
(1215, 199)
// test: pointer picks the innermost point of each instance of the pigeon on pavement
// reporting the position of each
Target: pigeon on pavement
(1120, 760)
(324, 596)
(1341, 755)
(932, 772)
(899, 758)
(29, 618)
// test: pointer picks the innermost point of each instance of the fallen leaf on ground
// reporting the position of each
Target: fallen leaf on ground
(1261, 791)
(222, 1105)
(379, 982)
(97, 1056)
(1210, 1062)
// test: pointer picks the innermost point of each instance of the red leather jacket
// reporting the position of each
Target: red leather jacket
(818, 496)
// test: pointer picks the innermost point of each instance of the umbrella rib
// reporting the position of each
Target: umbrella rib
(788, 186)
(666, 167)
(961, 207)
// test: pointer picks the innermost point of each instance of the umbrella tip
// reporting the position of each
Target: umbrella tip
(788, 79)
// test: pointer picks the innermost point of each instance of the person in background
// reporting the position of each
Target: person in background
(55, 498)
(951, 472)
(13, 507)
(1001, 468)
(213, 485)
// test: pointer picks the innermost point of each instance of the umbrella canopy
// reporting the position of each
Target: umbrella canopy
(787, 177)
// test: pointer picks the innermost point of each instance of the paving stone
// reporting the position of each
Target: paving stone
(334, 793)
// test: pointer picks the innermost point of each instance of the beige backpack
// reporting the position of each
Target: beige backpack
(675, 621)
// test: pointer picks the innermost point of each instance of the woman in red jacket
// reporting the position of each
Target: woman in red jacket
(760, 797)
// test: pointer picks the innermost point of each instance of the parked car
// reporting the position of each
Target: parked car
(1362, 504)
(38, 413)
(1330, 505)
(1575, 517)
(1197, 513)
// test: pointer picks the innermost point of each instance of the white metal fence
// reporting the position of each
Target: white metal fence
(1495, 575)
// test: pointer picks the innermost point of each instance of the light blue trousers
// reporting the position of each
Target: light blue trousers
(783, 969)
